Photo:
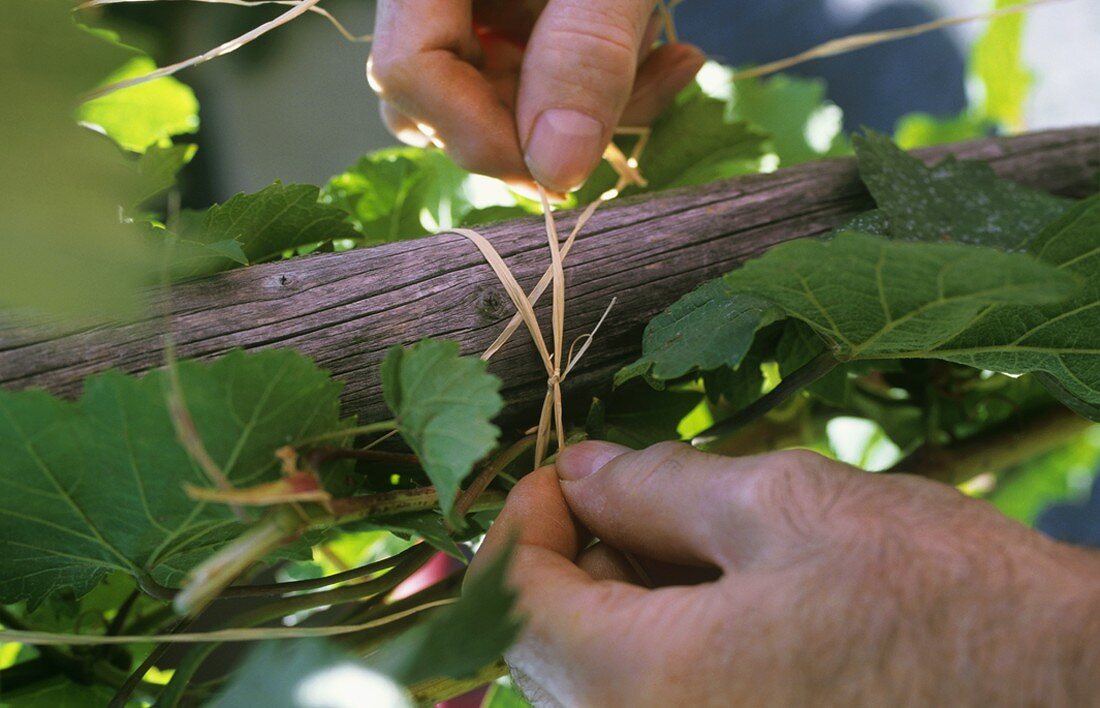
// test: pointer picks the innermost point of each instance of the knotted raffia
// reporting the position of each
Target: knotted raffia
(550, 421)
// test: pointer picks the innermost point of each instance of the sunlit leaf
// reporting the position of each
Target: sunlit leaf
(142, 116)
(693, 142)
(997, 67)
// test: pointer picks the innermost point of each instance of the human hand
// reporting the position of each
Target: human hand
(837, 587)
(534, 91)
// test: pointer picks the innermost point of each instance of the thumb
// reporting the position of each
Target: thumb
(676, 504)
(577, 77)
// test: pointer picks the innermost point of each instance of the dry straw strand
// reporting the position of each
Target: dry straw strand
(229, 47)
(344, 31)
(855, 42)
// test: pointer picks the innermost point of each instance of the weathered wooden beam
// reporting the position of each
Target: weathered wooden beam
(346, 309)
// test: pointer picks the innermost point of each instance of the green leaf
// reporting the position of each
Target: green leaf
(444, 404)
(704, 330)
(278, 218)
(638, 416)
(997, 65)
(191, 259)
(61, 186)
(1064, 475)
(1061, 340)
(144, 115)
(428, 526)
(97, 485)
(462, 638)
(693, 142)
(402, 193)
(504, 695)
(57, 692)
(295, 674)
(871, 298)
(158, 168)
(917, 130)
(954, 201)
(803, 125)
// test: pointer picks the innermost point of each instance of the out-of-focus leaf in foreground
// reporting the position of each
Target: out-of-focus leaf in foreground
(462, 638)
(65, 249)
(294, 674)
(97, 485)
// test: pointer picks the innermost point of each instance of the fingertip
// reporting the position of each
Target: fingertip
(583, 459)
(564, 148)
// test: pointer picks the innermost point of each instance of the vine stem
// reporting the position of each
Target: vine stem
(384, 426)
(802, 377)
(278, 589)
(122, 695)
(1010, 444)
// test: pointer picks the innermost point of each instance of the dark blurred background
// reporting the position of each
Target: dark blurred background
(295, 104)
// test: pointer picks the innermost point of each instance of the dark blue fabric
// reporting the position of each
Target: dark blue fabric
(874, 86)
(1074, 523)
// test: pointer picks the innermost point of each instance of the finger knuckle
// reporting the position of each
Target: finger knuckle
(800, 486)
(388, 75)
(595, 42)
(658, 461)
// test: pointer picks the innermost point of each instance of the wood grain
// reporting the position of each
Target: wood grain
(346, 309)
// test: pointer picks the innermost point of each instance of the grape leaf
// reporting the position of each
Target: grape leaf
(444, 404)
(704, 330)
(638, 416)
(61, 185)
(872, 298)
(996, 62)
(868, 297)
(402, 193)
(917, 130)
(266, 223)
(502, 695)
(693, 142)
(958, 201)
(308, 672)
(158, 168)
(1060, 340)
(145, 115)
(462, 638)
(803, 125)
(97, 485)
(249, 228)
(59, 692)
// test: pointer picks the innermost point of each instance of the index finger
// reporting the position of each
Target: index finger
(423, 63)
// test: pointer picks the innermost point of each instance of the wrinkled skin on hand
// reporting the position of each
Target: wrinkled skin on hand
(786, 579)
(523, 90)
